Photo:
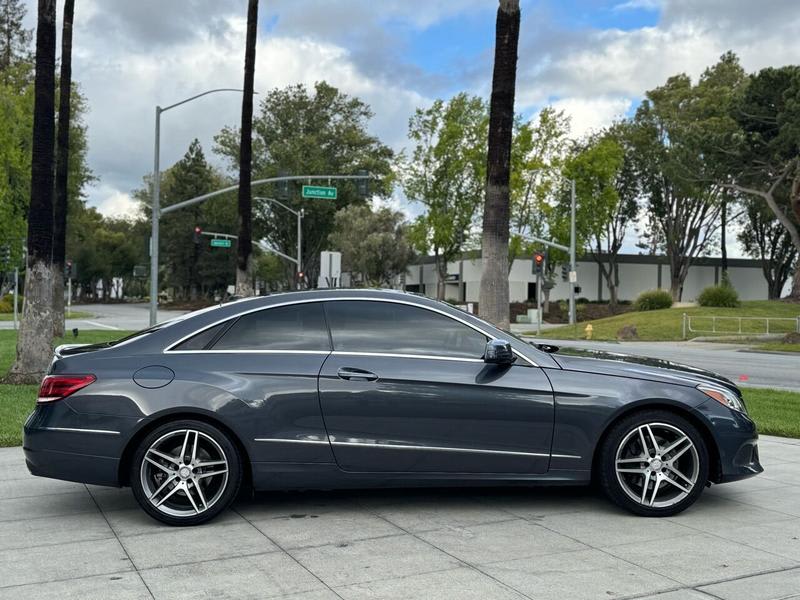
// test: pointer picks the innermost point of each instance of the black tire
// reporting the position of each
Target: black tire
(624, 439)
(204, 483)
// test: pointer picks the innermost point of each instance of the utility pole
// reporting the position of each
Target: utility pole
(573, 272)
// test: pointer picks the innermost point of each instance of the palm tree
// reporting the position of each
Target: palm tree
(62, 169)
(244, 283)
(36, 327)
(493, 303)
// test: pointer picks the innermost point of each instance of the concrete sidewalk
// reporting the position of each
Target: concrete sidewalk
(741, 541)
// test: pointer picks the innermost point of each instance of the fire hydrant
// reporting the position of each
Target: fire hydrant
(588, 331)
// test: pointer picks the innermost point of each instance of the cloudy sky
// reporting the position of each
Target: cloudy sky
(593, 58)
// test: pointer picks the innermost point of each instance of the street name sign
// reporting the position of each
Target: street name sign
(318, 191)
(220, 243)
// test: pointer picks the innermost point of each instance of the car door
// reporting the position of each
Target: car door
(269, 360)
(406, 390)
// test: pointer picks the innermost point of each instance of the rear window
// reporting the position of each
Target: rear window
(203, 339)
(294, 327)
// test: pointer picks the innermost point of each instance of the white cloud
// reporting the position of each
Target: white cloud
(639, 5)
(113, 203)
(590, 114)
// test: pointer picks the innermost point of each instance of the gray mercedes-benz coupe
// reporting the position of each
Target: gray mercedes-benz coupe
(355, 388)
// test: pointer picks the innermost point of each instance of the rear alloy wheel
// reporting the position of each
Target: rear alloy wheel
(185, 473)
(654, 463)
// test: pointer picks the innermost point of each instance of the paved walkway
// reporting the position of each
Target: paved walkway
(739, 542)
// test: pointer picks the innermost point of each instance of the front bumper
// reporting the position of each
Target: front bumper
(736, 440)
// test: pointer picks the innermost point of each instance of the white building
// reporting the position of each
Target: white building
(637, 273)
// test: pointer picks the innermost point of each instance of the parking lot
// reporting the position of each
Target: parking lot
(740, 541)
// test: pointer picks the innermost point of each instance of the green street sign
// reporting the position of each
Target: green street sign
(318, 191)
(220, 243)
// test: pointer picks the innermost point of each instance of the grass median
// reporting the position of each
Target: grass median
(667, 324)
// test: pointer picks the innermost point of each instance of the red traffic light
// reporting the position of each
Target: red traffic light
(539, 258)
(197, 229)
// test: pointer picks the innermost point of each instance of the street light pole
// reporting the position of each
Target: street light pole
(299, 214)
(572, 256)
(156, 203)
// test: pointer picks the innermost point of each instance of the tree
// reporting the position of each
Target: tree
(302, 131)
(193, 268)
(446, 174)
(606, 187)
(761, 158)
(15, 40)
(373, 244)
(493, 303)
(672, 128)
(244, 246)
(765, 238)
(36, 327)
(62, 169)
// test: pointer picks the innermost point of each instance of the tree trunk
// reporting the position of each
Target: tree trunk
(244, 247)
(62, 170)
(724, 239)
(36, 326)
(493, 301)
(794, 294)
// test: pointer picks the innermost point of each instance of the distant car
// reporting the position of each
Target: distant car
(354, 388)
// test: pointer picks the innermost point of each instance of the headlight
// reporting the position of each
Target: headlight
(724, 396)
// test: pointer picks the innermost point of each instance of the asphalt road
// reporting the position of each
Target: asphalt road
(738, 542)
(757, 369)
(124, 317)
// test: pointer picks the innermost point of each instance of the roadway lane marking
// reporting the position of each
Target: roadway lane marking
(102, 326)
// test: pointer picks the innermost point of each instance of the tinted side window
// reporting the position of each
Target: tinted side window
(387, 327)
(202, 339)
(295, 327)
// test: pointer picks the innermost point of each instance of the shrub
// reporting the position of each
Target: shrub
(719, 296)
(7, 303)
(654, 300)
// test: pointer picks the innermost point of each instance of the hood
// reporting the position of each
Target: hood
(639, 367)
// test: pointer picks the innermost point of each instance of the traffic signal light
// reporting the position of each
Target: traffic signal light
(564, 272)
(69, 270)
(198, 231)
(538, 263)
(362, 185)
(5, 254)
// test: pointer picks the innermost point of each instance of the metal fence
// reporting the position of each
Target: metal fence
(739, 325)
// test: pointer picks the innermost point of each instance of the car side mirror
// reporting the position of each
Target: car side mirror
(498, 352)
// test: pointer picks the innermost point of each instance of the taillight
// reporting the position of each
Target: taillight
(56, 387)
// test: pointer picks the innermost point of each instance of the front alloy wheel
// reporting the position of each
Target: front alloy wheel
(654, 463)
(185, 473)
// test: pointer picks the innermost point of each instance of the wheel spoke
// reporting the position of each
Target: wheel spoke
(211, 463)
(211, 474)
(656, 486)
(638, 459)
(166, 457)
(656, 447)
(644, 486)
(674, 470)
(166, 470)
(161, 487)
(194, 446)
(677, 484)
(200, 494)
(638, 471)
(679, 453)
(675, 444)
(168, 494)
(185, 444)
(189, 496)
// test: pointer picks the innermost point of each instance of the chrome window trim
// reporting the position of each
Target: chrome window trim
(77, 430)
(401, 355)
(334, 299)
(212, 351)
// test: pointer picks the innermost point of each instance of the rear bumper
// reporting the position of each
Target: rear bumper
(61, 444)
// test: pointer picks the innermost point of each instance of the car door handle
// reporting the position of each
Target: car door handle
(352, 374)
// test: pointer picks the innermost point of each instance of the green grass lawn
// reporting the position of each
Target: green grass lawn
(778, 347)
(75, 314)
(666, 324)
(775, 412)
